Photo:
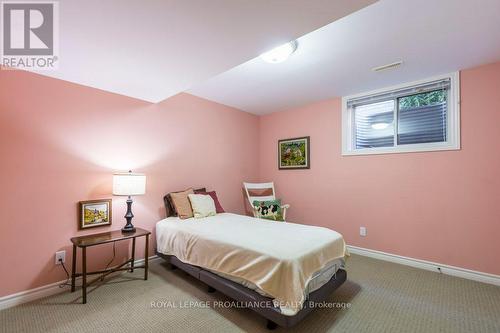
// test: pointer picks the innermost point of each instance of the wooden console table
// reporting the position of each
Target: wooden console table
(102, 238)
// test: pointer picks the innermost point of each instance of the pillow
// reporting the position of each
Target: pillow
(181, 203)
(169, 206)
(213, 194)
(203, 205)
(270, 210)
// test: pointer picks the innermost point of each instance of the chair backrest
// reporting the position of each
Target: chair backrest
(259, 192)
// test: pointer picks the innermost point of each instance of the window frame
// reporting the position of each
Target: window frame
(453, 121)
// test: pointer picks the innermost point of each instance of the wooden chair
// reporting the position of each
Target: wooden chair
(262, 192)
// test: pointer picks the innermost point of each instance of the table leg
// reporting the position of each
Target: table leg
(73, 269)
(133, 256)
(84, 275)
(146, 258)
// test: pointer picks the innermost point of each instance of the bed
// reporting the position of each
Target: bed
(285, 266)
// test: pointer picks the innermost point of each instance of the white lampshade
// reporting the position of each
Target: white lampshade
(128, 183)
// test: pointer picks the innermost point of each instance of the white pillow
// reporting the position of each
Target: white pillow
(203, 205)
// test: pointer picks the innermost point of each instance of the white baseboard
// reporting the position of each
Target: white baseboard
(428, 265)
(41, 292)
(31, 295)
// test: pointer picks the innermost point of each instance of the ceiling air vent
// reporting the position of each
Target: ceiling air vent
(388, 66)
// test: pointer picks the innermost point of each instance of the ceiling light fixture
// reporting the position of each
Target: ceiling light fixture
(280, 53)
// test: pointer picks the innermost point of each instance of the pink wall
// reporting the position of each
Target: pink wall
(61, 142)
(437, 206)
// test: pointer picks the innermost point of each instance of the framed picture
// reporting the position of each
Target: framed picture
(95, 213)
(294, 153)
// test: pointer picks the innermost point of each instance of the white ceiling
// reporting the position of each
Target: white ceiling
(154, 49)
(431, 37)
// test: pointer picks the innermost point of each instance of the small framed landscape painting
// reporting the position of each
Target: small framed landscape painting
(95, 213)
(294, 153)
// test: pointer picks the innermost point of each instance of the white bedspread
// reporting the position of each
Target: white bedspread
(279, 258)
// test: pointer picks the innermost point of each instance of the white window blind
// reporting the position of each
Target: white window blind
(410, 118)
(424, 122)
(374, 124)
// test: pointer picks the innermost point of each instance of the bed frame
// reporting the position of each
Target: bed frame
(243, 294)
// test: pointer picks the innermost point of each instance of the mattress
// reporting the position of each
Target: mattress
(285, 261)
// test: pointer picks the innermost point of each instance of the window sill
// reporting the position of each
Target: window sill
(402, 149)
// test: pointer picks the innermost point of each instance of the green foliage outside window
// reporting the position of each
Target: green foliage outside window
(423, 99)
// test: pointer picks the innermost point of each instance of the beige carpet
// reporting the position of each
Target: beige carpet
(383, 297)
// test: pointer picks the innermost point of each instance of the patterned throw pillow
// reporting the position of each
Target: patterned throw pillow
(270, 210)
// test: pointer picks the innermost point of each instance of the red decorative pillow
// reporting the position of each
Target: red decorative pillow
(218, 207)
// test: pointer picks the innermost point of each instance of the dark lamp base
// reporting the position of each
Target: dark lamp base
(130, 228)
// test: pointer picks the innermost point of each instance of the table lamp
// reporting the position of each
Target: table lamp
(129, 183)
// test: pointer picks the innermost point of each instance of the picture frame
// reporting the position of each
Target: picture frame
(294, 153)
(95, 213)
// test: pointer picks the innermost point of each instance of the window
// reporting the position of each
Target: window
(422, 116)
